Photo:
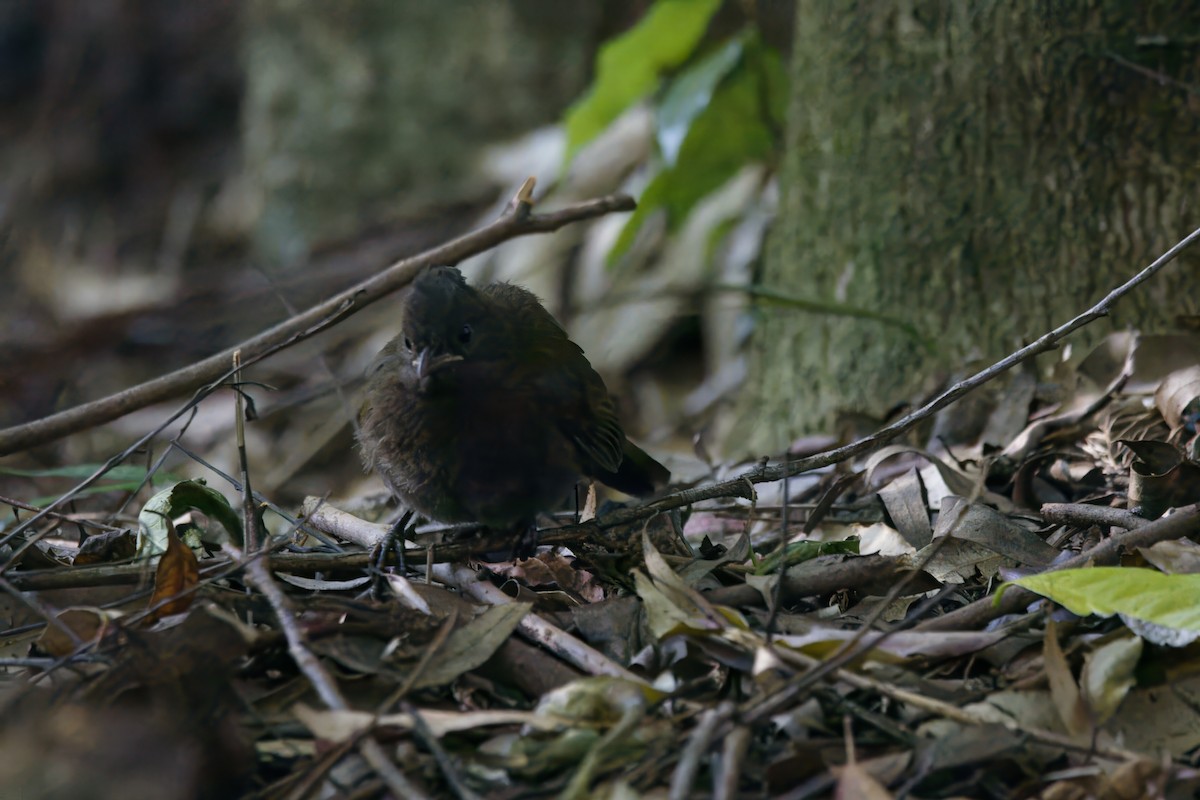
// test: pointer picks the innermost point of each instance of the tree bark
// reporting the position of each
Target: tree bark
(982, 170)
(362, 109)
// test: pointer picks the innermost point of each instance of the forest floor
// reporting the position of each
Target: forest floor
(836, 622)
(989, 597)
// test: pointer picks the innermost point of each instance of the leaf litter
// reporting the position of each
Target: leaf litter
(799, 642)
(630, 662)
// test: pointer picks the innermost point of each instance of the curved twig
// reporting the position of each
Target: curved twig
(738, 486)
(515, 221)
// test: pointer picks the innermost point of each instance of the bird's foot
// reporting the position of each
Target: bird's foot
(526, 541)
(392, 540)
(522, 541)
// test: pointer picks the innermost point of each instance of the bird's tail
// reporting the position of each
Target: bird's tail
(638, 474)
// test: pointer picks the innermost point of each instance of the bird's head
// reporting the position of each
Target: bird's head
(445, 322)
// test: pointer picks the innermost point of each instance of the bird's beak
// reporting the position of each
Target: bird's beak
(426, 363)
(421, 363)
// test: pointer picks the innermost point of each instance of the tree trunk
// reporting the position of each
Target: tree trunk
(981, 170)
(361, 109)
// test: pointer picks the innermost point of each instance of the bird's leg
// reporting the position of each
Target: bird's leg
(526, 540)
(394, 538)
(522, 538)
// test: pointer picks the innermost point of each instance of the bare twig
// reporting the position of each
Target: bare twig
(567, 647)
(77, 519)
(256, 573)
(1184, 522)
(696, 749)
(954, 713)
(739, 486)
(249, 513)
(516, 221)
(425, 736)
(733, 756)
(1084, 514)
(533, 627)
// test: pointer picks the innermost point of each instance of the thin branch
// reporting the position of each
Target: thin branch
(739, 486)
(77, 519)
(1084, 514)
(326, 687)
(730, 766)
(249, 512)
(516, 221)
(962, 716)
(1184, 521)
(425, 736)
(537, 629)
(696, 750)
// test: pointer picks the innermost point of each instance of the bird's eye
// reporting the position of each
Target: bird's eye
(407, 343)
(464, 335)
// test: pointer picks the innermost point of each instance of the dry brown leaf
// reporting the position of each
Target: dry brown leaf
(177, 575)
(1063, 689)
(87, 624)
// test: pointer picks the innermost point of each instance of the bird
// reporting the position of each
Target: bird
(482, 410)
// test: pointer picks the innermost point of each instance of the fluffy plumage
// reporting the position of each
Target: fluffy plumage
(483, 410)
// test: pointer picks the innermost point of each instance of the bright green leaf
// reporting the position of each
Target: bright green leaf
(1147, 594)
(629, 66)
(689, 95)
(737, 128)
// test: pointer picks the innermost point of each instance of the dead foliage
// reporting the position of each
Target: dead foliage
(833, 633)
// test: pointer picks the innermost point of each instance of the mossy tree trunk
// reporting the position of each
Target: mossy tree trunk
(983, 170)
(361, 109)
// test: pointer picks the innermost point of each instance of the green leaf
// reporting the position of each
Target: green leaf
(121, 478)
(798, 552)
(1109, 672)
(629, 66)
(154, 521)
(474, 643)
(121, 472)
(689, 95)
(737, 128)
(1146, 594)
(101, 488)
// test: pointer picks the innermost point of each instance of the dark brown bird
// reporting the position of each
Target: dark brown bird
(482, 410)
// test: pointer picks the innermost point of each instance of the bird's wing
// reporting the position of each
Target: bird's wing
(564, 383)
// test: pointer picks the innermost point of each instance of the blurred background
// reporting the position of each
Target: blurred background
(178, 176)
(842, 206)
